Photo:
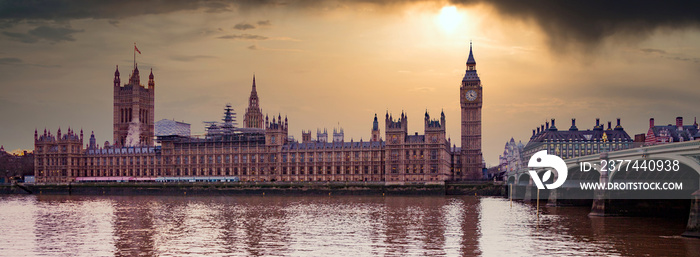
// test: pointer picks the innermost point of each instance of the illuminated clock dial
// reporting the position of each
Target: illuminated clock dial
(471, 95)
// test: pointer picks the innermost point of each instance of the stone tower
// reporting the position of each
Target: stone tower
(253, 115)
(134, 110)
(471, 99)
(376, 136)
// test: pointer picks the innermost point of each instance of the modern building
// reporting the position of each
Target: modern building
(574, 142)
(262, 149)
(167, 127)
(670, 133)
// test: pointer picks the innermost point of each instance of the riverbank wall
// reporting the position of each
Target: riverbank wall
(241, 188)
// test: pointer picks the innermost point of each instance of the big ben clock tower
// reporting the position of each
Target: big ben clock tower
(471, 98)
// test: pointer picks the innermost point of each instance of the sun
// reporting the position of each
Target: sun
(449, 18)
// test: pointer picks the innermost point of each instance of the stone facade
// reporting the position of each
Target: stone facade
(262, 150)
(670, 133)
(573, 142)
(471, 99)
(134, 106)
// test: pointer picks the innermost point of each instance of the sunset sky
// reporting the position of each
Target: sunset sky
(326, 64)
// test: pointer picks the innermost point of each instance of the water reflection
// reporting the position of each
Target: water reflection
(322, 226)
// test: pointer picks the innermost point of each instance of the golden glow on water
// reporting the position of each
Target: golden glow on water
(321, 226)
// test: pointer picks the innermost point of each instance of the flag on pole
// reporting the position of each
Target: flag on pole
(137, 49)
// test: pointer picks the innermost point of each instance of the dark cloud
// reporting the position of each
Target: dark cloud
(54, 34)
(243, 37)
(10, 61)
(582, 24)
(264, 23)
(588, 23)
(671, 56)
(114, 23)
(24, 38)
(50, 34)
(685, 59)
(652, 51)
(18, 62)
(253, 47)
(244, 26)
(189, 58)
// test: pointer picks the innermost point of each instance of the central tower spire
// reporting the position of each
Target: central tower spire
(253, 115)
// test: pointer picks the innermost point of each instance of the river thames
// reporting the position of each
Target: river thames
(323, 226)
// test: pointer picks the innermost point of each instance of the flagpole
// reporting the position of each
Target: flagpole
(134, 55)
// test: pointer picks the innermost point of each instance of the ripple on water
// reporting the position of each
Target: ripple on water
(321, 226)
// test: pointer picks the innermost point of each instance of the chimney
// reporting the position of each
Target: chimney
(651, 122)
(533, 132)
(538, 130)
(679, 122)
(546, 126)
(553, 124)
(573, 125)
(609, 125)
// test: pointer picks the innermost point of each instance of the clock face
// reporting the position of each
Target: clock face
(470, 95)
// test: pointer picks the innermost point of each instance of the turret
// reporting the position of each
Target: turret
(276, 132)
(375, 130)
(117, 80)
(135, 79)
(442, 118)
(305, 136)
(151, 82)
(93, 141)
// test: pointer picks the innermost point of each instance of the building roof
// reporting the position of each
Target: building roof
(688, 132)
(330, 145)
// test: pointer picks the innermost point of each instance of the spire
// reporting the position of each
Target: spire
(470, 60)
(151, 81)
(117, 80)
(375, 123)
(253, 100)
(470, 74)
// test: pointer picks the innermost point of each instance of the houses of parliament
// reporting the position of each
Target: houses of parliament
(261, 150)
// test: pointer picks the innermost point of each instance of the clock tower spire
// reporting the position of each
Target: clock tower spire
(471, 99)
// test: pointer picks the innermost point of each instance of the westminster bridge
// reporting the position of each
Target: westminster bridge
(649, 188)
